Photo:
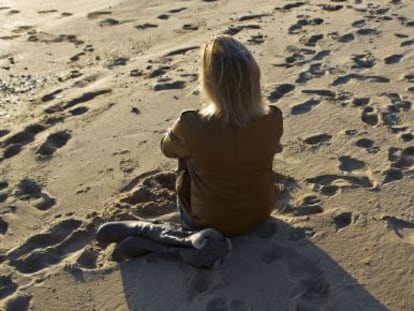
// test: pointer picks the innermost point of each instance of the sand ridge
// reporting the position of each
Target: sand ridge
(87, 91)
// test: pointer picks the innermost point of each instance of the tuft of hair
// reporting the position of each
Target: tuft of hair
(229, 78)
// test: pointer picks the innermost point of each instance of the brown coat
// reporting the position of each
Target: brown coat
(230, 169)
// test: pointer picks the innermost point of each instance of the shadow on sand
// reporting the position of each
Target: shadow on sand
(272, 268)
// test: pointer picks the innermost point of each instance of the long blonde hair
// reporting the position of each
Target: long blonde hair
(229, 78)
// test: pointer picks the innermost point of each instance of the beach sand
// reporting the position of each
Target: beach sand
(87, 89)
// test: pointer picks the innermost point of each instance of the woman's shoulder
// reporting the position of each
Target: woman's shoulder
(189, 114)
(189, 117)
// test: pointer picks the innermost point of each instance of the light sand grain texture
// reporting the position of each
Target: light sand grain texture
(87, 89)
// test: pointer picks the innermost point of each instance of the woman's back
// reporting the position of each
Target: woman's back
(230, 169)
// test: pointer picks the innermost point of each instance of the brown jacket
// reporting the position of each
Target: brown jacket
(230, 169)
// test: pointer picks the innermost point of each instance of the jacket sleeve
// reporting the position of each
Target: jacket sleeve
(173, 143)
(277, 114)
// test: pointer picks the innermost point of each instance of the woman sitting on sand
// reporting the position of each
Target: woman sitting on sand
(226, 149)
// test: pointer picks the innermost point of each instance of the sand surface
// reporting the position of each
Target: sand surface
(87, 89)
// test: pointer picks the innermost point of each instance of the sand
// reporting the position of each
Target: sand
(88, 89)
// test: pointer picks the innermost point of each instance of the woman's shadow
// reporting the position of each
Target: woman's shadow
(272, 268)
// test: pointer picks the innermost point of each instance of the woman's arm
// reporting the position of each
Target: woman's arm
(173, 142)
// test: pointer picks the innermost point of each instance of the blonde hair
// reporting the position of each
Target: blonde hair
(229, 78)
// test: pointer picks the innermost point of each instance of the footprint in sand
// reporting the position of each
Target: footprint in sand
(4, 132)
(252, 16)
(17, 302)
(256, 39)
(356, 76)
(366, 60)
(304, 107)
(311, 290)
(391, 175)
(406, 137)
(321, 55)
(394, 154)
(393, 59)
(178, 10)
(361, 101)
(401, 158)
(202, 281)
(78, 111)
(402, 228)
(317, 139)
(345, 38)
(61, 240)
(409, 77)
(368, 32)
(48, 38)
(332, 184)
(370, 116)
(12, 12)
(14, 144)
(50, 96)
(88, 259)
(94, 15)
(233, 30)
(4, 226)
(54, 235)
(279, 91)
(180, 51)
(7, 286)
(163, 16)
(310, 205)
(191, 27)
(292, 5)
(76, 57)
(407, 43)
(359, 23)
(54, 142)
(4, 194)
(77, 100)
(342, 219)
(306, 21)
(312, 40)
(350, 164)
(46, 11)
(315, 71)
(116, 61)
(299, 233)
(108, 22)
(176, 85)
(314, 293)
(367, 144)
(331, 7)
(320, 92)
(28, 190)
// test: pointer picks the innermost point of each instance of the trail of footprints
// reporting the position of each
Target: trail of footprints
(71, 241)
(26, 190)
(374, 114)
(13, 144)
